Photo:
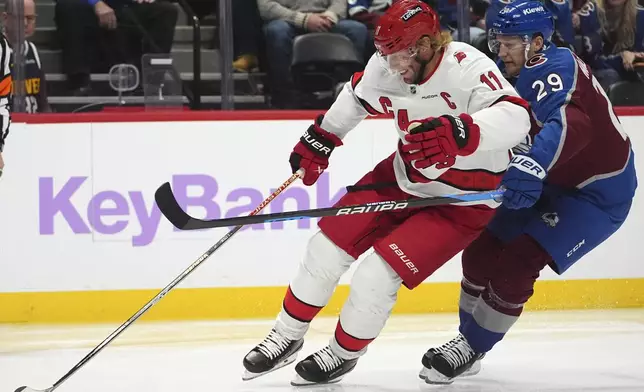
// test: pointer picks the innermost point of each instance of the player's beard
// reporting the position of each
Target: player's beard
(418, 78)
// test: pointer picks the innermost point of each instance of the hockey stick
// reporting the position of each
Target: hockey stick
(180, 219)
(165, 291)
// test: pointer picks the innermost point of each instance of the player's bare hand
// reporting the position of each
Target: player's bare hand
(106, 15)
(575, 20)
(628, 58)
(318, 23)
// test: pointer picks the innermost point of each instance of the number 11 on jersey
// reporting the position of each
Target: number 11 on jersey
(486, 79)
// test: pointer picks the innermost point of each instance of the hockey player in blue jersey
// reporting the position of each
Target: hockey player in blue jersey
(566, 192)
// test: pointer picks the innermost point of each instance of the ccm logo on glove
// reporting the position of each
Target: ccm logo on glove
(528, 165)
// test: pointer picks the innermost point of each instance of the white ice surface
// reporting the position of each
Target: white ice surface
(545, 352)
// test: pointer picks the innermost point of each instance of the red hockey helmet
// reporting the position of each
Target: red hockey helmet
(404, 23)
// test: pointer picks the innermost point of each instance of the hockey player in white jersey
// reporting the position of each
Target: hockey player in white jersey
(457, 118)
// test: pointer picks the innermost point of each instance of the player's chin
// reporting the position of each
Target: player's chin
(512, 69)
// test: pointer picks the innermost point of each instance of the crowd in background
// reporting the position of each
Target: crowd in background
(95, 34)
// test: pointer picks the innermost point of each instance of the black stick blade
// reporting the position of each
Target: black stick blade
(170, 208)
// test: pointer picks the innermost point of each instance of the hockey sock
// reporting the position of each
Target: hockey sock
(317, 276)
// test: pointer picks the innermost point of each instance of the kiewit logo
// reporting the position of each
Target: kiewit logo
(404, 258)
(533, 10)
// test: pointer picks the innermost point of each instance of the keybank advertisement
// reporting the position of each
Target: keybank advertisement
(77, 208)
(110, 212)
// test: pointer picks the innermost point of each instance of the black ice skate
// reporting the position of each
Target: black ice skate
(274, 352)
(322, 367)
(453, 359)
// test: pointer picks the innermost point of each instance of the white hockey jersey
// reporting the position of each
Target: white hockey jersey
(465, 81)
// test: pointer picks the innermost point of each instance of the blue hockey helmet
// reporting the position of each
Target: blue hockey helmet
(521, 18)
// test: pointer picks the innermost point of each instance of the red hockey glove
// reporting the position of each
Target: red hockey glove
(438, 140)
(313, 151)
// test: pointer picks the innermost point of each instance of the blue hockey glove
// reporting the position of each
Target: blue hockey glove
(523, 182)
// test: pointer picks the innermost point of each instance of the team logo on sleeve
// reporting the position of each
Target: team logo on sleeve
(536, 60)
(551, 219)
(505, 1)
(459, 56)
(559, 2)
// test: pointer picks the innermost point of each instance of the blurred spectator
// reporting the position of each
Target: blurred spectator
(247, 30)
(35, 84)
(564, 35)
(285, 19)
(478, 8)
(561, 10)
(368, 12)
(586, 21)
(623, 33)
(129, 29)
(247, 35)
(447, 11)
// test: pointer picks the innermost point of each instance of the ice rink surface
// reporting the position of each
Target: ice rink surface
(546, 352)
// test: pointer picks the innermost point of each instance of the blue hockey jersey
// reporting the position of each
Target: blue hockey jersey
(581, 142)
(560, 9)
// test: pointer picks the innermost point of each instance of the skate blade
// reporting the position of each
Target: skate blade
(249, 375)
(472, 371)
(435, 378)
(298, 381)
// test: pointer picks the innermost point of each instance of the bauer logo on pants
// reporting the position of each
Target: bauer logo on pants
(404, 258)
